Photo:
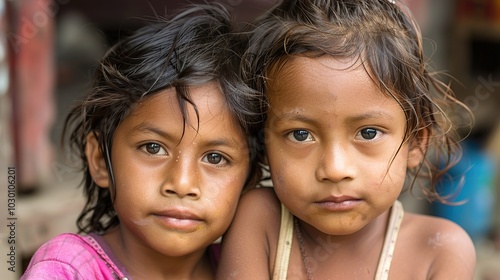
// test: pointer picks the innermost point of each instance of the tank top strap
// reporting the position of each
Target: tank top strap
(391, 236)
(284, 245)
(384, 265)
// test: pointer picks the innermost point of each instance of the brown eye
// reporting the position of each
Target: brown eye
(153, 148)
(214, 158)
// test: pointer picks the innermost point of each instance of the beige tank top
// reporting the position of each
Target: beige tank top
(384, 263)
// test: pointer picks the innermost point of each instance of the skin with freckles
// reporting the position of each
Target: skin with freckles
(338, 160)
(174, 183)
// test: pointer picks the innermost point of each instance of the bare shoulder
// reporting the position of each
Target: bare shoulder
(249, 246)
(437, 233)
(439, 244)
(259, 210)
(263, 195)
(260, 206)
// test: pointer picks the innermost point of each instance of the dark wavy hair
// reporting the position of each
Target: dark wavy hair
(195, 47)
(385, 37)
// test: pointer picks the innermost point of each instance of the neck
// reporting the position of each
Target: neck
(143, 262)
(368, 239)
(350, 254)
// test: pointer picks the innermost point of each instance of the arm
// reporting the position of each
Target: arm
(248, 247)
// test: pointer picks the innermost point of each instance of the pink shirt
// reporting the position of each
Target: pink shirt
(73, 256)
(83, 257)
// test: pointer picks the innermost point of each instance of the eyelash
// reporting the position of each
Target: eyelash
(145, 147)
(292, 134)
(223, 160)
(370, 130)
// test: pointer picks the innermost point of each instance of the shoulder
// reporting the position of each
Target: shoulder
(249, 246)
(443, 245)
(61, 247)
(259, 209)
(436, 233)
(265, 198)
(67, 256)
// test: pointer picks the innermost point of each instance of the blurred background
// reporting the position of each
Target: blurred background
(49, 48)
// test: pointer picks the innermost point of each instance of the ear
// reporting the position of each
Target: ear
(96, 162)
(418, 146)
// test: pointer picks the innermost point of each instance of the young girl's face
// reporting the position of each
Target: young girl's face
(177, 187)
(333, 143)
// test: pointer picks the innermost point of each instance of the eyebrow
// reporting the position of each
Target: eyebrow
(224, 142)
(295, 115)
(369, 115)
(146, 127)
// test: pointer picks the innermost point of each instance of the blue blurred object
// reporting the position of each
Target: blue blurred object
(476, 194)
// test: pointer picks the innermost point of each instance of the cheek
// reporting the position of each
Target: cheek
(393, 180)
(279, 179)
(283, 180)
(400, 165)
(225, 194)
(222, 204)
(279, 164)
(125, 171)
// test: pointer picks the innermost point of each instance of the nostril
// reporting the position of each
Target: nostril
(180, 191)
(170, 192)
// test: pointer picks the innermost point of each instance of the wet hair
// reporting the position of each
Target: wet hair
(384, 37)
(195, 47)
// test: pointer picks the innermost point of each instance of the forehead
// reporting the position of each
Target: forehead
(167, 100)
(208, 105)
(324, 84)
(314, 72)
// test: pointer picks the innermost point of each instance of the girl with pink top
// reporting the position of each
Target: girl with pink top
(167, 141)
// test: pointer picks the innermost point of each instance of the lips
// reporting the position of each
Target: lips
(339, 203)
(179, 219)
(179, 213)
(338, 199)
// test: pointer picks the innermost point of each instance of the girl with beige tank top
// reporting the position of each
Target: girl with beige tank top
(352, 116)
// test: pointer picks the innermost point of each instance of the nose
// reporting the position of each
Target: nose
(335, 164)
(182, 179)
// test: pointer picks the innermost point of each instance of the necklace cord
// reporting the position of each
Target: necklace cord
(305, 259)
